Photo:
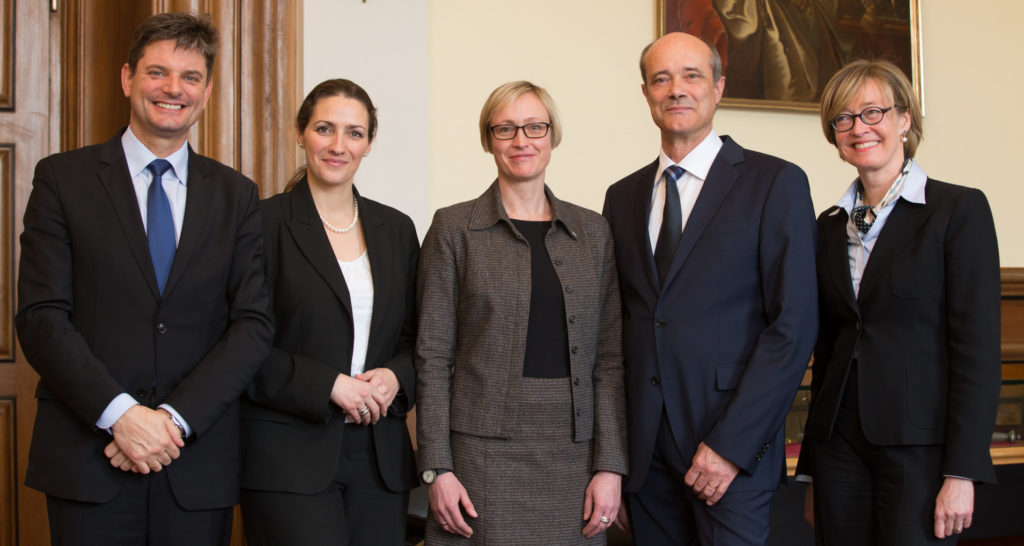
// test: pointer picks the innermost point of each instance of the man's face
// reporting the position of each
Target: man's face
(167, 92)
(680, 87)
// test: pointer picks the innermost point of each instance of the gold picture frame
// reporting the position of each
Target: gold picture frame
(784, 51)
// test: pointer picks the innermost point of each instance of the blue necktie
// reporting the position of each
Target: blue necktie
(671, 223)
(160, 224)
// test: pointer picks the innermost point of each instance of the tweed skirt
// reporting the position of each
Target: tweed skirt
(529, 489)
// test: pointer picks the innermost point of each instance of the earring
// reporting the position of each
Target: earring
(300, 145)
(904, 137)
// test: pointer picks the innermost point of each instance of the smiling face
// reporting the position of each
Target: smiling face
(521, 159)
(167, 93)
(874, 149)
(335, 140)
(680, 89)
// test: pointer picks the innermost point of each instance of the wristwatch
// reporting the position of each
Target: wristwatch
(429, 475)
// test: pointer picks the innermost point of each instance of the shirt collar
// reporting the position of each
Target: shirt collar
(698, 161)
(912, 190)
(488, 210)
(139, 157)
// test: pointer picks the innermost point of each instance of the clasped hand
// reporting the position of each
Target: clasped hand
(145, 440)
(366, 397)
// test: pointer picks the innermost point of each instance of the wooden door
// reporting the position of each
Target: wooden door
(26, 127)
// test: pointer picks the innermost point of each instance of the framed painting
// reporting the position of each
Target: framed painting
(780, 53)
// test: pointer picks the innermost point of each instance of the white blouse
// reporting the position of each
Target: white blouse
(360, 290)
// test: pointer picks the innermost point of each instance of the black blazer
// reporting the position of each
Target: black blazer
(924, 329)
(92, 322)
(723, 344)
(291, 430)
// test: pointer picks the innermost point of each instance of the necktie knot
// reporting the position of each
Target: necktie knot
(158, 167)
(673, 173)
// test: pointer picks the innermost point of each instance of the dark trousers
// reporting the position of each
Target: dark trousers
(357, 509)
(144, 512)
(666, 511)
(866, 494)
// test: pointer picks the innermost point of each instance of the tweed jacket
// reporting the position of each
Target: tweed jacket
(474, 304)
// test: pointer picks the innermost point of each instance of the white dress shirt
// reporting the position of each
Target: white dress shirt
(697, 163)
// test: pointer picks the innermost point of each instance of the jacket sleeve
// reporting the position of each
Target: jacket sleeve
(609, 377)
(782, 350)
(971, 258)
(437, 295)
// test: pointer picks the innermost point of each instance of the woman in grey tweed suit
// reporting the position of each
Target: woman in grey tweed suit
(520, 381)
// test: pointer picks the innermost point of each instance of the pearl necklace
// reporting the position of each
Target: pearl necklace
(355, 219)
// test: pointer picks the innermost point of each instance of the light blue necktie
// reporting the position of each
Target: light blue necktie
(160, 224)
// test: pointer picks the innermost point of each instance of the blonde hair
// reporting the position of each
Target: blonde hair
(505, 95)
(842, 89)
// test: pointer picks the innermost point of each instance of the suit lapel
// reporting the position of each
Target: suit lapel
(836, 256)
(198, 199)
(382, 267)
(720, 180)
(117, 182)
(308, 233)
(643, 191)
(903, 223)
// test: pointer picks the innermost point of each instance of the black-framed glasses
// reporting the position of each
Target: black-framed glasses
(537, 129)
(870, 116)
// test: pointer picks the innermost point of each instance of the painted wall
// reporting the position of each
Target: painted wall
(431, 65)
(382, 46)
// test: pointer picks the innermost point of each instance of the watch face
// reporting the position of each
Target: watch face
(428, 476)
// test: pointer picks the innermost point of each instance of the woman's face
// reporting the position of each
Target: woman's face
(521, 159)
(874, 148)
(335, 140)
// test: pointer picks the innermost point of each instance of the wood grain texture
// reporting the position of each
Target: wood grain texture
(8, 487)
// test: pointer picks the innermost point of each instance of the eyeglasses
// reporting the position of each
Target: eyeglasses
(537, 129)
(870, 116)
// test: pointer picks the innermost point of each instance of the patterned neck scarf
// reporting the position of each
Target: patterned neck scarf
(865, 215)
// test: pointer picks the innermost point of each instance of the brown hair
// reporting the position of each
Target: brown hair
(842, 89)
(189, 31)
(507, 94)
(324, 90)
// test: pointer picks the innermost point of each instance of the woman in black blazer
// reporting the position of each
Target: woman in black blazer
(906, 369)
(326, 454)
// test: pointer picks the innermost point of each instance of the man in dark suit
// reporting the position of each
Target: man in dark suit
(715, 252)
(143, 306)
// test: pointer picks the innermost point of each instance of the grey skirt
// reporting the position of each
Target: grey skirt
(529, 489)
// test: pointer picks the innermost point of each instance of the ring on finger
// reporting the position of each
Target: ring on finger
(958, 530)
(604, 519)
(444, 523)
(364, 411)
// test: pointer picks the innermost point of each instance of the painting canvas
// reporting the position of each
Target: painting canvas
(780, 53)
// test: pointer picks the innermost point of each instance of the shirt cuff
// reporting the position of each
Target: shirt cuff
(115, 409)
(804, 478)
(178, 420)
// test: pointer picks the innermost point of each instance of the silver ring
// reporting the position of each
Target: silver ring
(443, 523)
(604, 519)
(958, 530)
(364, 411)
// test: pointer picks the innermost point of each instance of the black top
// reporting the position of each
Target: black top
(547, 338)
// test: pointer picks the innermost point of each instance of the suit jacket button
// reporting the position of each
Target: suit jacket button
(575, 381)
(558, 261)
(568, 289)
(572, 319)
(660, 323)
(655, 381)
(575, 349)
(162, 328)
(141, 394)
(578, 413)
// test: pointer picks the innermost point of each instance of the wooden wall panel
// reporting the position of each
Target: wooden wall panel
(8, 487)
(6, 253)
(7, 64)
(1013, 315)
